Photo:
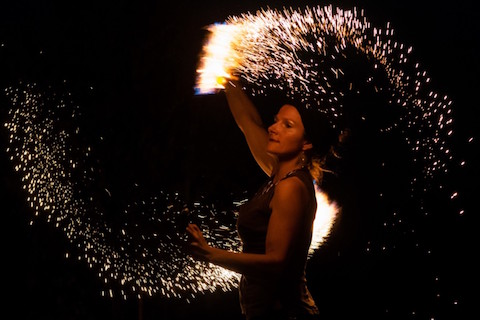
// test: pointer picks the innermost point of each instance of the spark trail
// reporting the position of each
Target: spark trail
(326, 57)
(313, 54)
(138, 251)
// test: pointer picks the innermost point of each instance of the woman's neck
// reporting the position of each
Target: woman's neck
(284, 167)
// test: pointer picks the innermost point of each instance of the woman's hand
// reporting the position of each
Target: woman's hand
(225, 83)
(199, 247)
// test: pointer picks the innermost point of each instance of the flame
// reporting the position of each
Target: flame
(327, 212)
(218, 59)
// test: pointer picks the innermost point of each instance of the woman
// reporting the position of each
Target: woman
(275, 226)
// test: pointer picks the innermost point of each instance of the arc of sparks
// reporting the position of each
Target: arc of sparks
(266, 49)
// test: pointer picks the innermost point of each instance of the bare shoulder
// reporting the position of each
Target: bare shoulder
(290, 200)
(290, 189)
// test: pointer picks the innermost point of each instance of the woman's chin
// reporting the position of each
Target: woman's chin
(272, 151)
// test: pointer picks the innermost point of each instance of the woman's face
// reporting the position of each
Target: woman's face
(287, 134)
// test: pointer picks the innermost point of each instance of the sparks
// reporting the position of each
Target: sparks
(306, 54)
(301, 52)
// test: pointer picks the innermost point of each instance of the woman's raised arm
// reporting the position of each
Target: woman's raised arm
(250, 123)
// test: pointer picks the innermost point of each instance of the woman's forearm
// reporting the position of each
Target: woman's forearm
(250, 123)
(242, 108)
(250, 264)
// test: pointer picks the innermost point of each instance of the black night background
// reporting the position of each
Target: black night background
(131, 66)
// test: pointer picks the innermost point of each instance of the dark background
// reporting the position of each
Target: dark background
(131, 67)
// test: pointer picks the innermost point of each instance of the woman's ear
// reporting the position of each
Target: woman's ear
(307, 145)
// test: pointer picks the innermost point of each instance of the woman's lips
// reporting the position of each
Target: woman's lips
(271, 139)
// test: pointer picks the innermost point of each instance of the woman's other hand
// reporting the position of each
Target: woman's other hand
(199, 247)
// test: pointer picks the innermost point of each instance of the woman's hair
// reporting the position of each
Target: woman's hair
(317, 164)
(325, 140)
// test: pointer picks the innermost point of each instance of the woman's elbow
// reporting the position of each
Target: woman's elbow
(278, 264)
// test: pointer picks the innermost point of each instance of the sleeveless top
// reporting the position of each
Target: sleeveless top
(286, 295)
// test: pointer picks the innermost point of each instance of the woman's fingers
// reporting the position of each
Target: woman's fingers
(196, 235)
(194, 230)
(198, 246)
(192, 226)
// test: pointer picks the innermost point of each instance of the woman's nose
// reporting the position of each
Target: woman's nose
(272, 129)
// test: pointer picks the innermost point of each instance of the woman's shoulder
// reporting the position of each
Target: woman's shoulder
(292, 195)
(302, 175)
(295, 183)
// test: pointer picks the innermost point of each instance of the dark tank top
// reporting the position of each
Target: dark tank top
(286, 295)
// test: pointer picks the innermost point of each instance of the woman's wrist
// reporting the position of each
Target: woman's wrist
(212, 254)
